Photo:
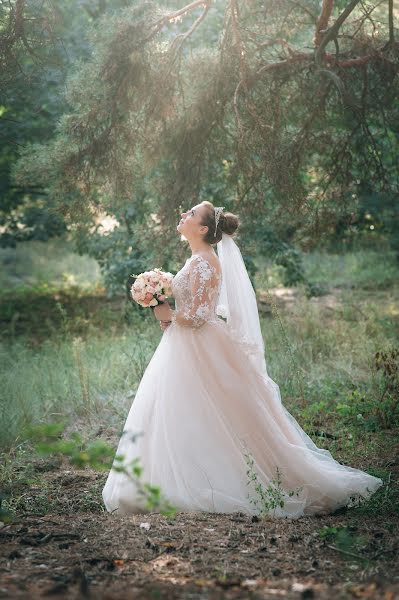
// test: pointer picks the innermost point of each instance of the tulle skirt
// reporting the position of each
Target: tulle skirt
(214, 435)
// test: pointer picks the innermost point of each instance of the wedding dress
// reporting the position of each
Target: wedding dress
(208, 419)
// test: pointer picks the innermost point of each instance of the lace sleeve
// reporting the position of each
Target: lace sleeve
(204, 285)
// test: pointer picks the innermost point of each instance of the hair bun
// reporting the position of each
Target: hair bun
(229, 223)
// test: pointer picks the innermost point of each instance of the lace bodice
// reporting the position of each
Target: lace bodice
(196, 290)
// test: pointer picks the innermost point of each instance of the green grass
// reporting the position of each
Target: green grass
(329, 350)
(64, 379)
(365, 269)
(53, 263)
(72, 353)
(72, 356)
(361, 269)
(320, 349)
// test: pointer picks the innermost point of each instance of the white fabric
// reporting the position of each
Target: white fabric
(202, 404)
(237, 302)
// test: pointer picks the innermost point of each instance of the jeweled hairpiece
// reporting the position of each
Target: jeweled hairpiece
(218, 212)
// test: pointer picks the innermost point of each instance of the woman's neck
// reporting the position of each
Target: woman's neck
(197, 247)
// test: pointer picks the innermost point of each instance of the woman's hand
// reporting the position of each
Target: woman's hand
(164, 324)
(163, 312)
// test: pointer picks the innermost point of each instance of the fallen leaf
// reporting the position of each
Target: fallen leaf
(118, 562)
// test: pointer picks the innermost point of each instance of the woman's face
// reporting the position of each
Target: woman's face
(190, 222)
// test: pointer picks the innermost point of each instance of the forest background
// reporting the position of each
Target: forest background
(114, 117)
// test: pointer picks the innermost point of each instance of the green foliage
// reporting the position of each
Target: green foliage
(379, 212)
(47, 440)
(355, 269)
(122, 250)
(163, 109)
(34, 66)
(346, 540)
(47, 266)
(379, 407)
(72, 377)
(97, 455)
(270, 498)
(275, 243)
(386, 499)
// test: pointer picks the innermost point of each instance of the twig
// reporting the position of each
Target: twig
(363, 558)
(322, 21)
(171, 17)
(193, 27)
(333, 31)
(390, 19)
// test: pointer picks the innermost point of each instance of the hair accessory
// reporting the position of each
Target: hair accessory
(218, 212)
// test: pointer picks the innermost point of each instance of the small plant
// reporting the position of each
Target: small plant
(359, 409)
(380, 409)
(345, 540)
(387, 363)
(82, 373)
(65, 325)
(151, 494)
(385, 501)
(98, 455)
(273, 496)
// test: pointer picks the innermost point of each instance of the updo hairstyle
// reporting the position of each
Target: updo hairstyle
(228, 223)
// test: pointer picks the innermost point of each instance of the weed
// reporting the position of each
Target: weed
(345, 541)
(272, 497)
(98, 455)
(379, 408)
(385, 500)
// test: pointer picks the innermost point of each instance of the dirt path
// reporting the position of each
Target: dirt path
(78, 551)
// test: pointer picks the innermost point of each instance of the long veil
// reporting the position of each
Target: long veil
(237, 302)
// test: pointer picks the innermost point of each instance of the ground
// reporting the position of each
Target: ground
(77, 356)
(77, 550)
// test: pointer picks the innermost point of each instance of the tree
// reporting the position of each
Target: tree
(283, 117)
(39, 42)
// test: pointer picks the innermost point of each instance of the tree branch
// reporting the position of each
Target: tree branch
(184, 36)
(390, 18)
(172, 16)
(322, 21)
(333, 31)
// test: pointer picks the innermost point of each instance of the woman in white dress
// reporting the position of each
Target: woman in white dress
(208, 417)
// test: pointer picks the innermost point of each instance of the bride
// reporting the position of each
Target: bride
(213, 432)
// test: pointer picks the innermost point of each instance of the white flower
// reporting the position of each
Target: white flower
(221, 310)
(139, 284)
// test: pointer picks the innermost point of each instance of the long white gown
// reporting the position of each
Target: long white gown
(202, 408)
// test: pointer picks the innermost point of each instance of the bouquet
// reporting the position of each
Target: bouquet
(151, 287)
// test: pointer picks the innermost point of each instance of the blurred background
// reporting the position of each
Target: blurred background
(117, 115)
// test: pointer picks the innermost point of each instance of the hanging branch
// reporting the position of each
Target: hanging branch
(261, 103)
(322, 21)
(390, 21)
(183, 36)
(333, 31)
(170, 17)
(243, 69)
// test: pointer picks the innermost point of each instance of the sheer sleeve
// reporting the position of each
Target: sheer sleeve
(204, 285)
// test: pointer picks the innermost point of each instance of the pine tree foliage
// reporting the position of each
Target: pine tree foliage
(287, 112)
